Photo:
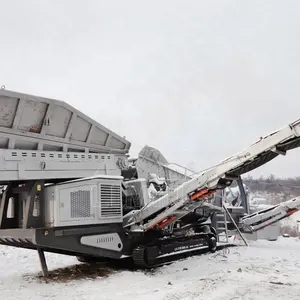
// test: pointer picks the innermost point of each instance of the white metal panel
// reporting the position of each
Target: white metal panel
(32, 116)
(85, 210)
(27, 165)
(8, 110)
(109, 241)
(57, 121)
(50, 123)
(49, 204)
(59, 210)
(83, 129)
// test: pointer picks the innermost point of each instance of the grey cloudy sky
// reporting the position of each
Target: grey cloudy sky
(199, 80)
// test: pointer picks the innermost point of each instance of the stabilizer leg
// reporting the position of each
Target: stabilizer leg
(43, 262)
(235, 225)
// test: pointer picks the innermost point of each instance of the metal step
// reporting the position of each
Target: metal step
(223, 222)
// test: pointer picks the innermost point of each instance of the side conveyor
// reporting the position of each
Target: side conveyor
(192, 194)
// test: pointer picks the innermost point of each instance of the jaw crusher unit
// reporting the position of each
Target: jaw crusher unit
(67, 181)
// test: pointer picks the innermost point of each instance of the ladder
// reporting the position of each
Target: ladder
(222, 224)
(221, 221)
(222, 228)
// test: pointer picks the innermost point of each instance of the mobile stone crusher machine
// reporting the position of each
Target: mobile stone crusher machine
(69, 187)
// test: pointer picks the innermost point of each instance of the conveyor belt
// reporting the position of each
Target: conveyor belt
(192, 194)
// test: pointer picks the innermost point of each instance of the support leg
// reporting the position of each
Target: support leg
(236, 226)
(4, 221)
(31, 221)
(43, 262)
(243, 195)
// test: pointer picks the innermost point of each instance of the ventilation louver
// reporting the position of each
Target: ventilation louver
(110, 197)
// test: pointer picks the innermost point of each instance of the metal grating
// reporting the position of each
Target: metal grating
(111, 200)
(80, 204)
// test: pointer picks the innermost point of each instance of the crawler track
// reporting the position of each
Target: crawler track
(166, 251)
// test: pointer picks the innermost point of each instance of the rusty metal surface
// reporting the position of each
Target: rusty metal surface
(36, 123)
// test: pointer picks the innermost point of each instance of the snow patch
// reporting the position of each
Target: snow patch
(264, 270)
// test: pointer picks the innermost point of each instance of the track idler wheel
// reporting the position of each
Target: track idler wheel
(145, 257)
(212, 243)
(211, 237)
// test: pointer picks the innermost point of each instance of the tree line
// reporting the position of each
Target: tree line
(273, 184)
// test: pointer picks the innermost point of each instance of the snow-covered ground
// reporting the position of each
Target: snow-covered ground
(264, 270)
